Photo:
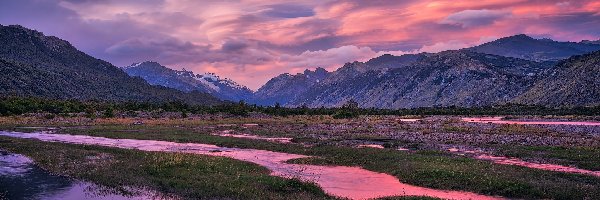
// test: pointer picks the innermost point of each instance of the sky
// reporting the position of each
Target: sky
(251, 41)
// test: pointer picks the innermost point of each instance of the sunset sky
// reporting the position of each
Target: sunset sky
(252, 41)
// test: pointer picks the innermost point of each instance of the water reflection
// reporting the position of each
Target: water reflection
(20, 178)
(500, 120)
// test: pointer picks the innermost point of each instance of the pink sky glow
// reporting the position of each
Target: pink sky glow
(252, 41)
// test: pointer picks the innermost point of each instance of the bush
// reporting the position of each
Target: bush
(345, 114)
(49, 116)
(109, 113)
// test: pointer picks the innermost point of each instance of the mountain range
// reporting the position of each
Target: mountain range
(515, 69)
(156, 74)
(450, 78)
(35, 65)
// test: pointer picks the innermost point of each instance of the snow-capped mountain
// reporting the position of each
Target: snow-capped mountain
(156, 74)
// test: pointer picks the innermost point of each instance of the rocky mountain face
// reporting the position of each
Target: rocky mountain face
(573, 82)
(187, 81)
(512, 69)
(525, 47)
(286, 87)
(450, 78)
(33, 64)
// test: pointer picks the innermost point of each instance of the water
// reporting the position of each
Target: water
(348, 182)
(498, 120)
(228, 133)
(20, 178)
(518, 162)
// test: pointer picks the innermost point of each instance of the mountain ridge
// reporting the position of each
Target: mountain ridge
(574, 82)
(46, 66)
(449, 78)
(525, 47)
(157, 74)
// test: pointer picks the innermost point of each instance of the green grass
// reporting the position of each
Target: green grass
(423, 168)
(581, 157)
(187, 176)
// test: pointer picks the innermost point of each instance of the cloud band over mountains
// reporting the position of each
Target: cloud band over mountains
(251, 41)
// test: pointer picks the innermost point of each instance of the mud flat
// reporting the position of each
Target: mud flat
(347, 182)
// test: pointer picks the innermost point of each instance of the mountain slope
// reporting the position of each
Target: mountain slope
(525, 47)
(45, 66)
(574, 82)
(450, 78)
(187, 81)
(286, 87)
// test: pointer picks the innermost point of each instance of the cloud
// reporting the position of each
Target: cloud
(329, 58)
(472, 18)
(252, 41)
(288, 11)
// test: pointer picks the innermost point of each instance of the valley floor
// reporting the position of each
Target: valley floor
(440, 153)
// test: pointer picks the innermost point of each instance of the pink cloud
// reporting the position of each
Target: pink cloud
(252, 41)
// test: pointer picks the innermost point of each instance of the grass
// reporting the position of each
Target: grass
(426, 168)
(432, 169)
(185, 175)
(581, 157)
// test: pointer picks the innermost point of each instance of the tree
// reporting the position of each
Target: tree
(351, 104)
(109, 112)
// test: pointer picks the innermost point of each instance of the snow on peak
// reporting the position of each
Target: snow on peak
(207, 83)
(133, 65)
(212, 76)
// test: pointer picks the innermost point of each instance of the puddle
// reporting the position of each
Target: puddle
(409, 120)
(20, 178)
(498, 120)
(549, 167)
(376, 146)
(37, 127)
(227, 133)
(518, 162)
(347, 182)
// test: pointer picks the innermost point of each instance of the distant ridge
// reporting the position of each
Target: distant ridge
(526, 47)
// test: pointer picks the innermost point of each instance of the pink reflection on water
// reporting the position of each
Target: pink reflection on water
(409, 120)
(498, 120)
(376, 146)
(227, 133)
(518, 162)
(347, 182)
(549, 167)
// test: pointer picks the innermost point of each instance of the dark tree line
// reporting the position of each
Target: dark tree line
(17, 106)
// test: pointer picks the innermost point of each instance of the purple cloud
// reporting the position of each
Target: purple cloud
(473, 18)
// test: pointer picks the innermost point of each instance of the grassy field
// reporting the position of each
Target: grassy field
(333, 142)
